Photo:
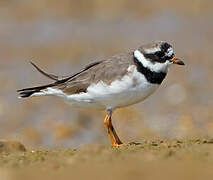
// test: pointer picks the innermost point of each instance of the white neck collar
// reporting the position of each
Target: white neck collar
(156, 67)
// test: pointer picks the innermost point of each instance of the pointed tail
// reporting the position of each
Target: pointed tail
(58, 80)
(38, 90)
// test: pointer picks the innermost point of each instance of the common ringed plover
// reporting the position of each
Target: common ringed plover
(111, 83)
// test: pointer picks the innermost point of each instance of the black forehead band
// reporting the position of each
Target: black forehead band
(165, 46)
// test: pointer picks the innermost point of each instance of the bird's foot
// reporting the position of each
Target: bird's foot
(117, 145)
(126, 144)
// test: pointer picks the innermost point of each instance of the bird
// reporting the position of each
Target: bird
(110, 83)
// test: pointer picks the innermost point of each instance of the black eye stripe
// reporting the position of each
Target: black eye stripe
(151, 56)
(160, 53)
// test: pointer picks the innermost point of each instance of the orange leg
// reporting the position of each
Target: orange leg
(115, 140)
(106, 122)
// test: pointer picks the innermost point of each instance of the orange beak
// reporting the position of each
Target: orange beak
(177, 61)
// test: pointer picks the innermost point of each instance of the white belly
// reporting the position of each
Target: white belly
(131, 89)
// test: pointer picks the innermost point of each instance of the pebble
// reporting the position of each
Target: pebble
(11, 146)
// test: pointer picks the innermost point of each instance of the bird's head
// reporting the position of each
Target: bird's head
(157, 56)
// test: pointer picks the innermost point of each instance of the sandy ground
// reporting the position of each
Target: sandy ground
(153, 159)
(61, 37)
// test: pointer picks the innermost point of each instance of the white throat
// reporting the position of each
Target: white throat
(156, 67)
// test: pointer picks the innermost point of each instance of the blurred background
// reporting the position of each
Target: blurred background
(62, 36)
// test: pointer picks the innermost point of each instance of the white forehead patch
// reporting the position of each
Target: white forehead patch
(170, 52)
(152, 50)
(156, 67)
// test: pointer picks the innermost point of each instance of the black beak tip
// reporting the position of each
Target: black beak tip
(180, 63)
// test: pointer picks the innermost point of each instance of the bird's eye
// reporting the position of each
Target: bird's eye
(172, 55)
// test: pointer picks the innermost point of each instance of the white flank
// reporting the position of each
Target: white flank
(131, 89)
(155, 67)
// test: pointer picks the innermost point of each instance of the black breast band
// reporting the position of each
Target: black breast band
(152, 77)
